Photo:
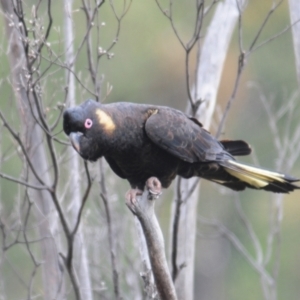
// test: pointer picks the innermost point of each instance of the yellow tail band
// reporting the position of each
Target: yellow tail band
(259, 178)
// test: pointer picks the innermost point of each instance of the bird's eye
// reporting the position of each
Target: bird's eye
(88, 123)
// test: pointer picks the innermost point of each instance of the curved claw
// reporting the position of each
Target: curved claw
(130, 198)
(153, 186)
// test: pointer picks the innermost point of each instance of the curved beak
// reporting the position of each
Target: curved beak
(75, 140)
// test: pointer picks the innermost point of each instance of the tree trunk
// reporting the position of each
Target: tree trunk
(211, 62)
(80, 251)
(33, 137)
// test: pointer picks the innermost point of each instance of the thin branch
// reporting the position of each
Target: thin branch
(169, 15)
(208, 9)
(18, 139)
(260, 30)
(20, 15)
(89, 22)
(38, 51)
(272, 38)
(244, 55)
(84, 198)
(111, 241)
(240, 247)
(247, 224)
(24, 183)
(175, 230)
(79, 81)
(35, 269)
(67, 260)
(189, 46)
(241, 66)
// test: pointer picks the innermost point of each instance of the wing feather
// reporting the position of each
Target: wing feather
(181, 136)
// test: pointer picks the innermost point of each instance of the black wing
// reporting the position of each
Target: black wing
(184, 138)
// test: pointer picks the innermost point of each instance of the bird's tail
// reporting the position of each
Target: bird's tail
(248, 176)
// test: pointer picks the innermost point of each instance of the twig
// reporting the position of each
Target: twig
(175, 230)
(264, 23)
(189, 46)
(243, 57)
(84, 198)
(111, 241)
(240, 247)
(241, 66)
(247, 224)
(44, 39)
(24, 183)
(18, 139)
(36, 264)
(272, 38)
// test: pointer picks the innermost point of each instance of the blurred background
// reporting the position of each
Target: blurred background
(147, 66)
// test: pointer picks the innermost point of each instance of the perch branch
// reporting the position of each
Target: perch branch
(142, 206)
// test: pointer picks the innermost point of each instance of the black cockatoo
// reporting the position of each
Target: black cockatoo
(142, 141)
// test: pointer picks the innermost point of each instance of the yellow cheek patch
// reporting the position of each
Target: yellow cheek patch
(105, 121)
(151, 112)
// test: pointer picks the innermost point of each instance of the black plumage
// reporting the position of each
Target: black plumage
(141, 141)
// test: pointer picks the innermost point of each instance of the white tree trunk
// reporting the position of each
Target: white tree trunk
(80, 251)
(209, 70)
(33, 137)
(295, 21)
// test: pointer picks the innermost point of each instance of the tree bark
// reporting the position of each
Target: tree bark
(79, 248)
(143, 208)
(211, 62)
(33, 137)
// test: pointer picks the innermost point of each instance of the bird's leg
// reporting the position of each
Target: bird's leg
(153, 186)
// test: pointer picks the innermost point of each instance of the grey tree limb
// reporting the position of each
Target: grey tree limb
(33, 136)
(143, 208)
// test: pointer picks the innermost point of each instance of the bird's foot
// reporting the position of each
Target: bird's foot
(153, 186)
(136, 200)
(131, 196)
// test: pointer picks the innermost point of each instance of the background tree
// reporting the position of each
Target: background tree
(230, 63)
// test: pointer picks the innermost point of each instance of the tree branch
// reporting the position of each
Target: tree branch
(143, 208)
(111, 240)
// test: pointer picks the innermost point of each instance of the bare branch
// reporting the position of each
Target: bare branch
(244, 55)
(42, 43)
(18, 139)
(143, 207)
(175, 231)
(24, 183)
(111, 240)
(272, 38)
(84, 198)
(238, 245)
(253, 236)
(263, 25)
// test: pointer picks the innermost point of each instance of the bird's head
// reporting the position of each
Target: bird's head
(87, 126)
